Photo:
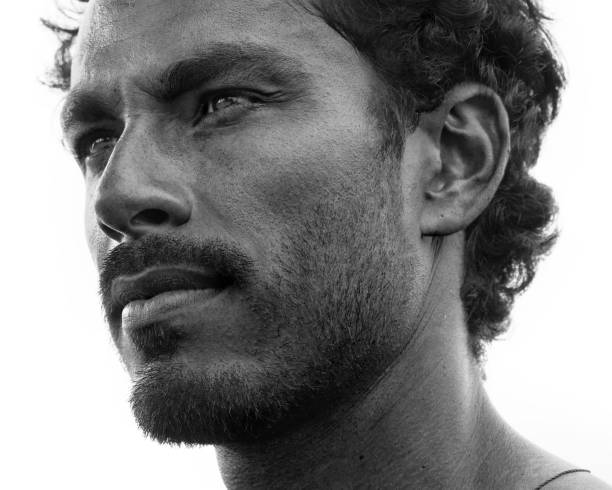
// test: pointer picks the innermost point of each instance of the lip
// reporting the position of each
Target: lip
(140, 313)
(161, 289)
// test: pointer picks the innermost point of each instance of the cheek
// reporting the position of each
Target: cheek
(308, 171)
(267, 180)
(292, 193)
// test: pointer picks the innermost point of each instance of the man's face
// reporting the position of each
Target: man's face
(229, 147)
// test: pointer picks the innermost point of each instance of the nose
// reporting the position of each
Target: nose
(141, 191)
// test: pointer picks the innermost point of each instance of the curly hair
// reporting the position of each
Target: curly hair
(421, 49)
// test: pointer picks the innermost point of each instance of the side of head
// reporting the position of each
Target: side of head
(422, 49)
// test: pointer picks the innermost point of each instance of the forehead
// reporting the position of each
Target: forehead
(126, 37)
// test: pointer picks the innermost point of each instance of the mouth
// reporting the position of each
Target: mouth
(160, 289)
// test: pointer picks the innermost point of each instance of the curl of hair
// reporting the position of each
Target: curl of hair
(421, 49)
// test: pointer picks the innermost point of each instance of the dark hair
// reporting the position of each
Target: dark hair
(421, 49)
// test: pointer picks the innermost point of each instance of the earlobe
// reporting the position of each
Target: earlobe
(472, 133)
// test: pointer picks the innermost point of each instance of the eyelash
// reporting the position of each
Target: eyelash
(84, 144)
(206, 103)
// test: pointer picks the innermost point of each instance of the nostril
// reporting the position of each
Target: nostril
(151, 217)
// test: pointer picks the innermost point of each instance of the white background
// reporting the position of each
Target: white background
(64, 417)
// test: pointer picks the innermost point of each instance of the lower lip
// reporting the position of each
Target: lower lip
(141, 313)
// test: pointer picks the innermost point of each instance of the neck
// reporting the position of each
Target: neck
(425, 423)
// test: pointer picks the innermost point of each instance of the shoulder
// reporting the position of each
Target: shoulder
(578, 481)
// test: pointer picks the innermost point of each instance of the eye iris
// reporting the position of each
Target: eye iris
(100, 145)
(220, 103)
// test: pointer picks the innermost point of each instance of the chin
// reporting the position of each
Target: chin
(240, 403)
(189, 393)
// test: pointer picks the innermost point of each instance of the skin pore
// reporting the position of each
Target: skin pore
(345, 351)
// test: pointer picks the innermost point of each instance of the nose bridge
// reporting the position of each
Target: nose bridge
(140, 190)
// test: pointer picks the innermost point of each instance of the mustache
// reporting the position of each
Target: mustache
(226, 259)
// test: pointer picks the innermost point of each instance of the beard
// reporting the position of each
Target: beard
(338, 299)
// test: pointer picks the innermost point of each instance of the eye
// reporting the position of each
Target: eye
(219, 103)
(101, 144)
(225, 108)
(95, 150)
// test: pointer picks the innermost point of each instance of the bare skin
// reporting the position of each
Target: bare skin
(428, 428)
(423, 419)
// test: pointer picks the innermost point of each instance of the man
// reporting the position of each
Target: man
(308, 218)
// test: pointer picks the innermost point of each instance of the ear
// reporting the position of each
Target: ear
(471, 135)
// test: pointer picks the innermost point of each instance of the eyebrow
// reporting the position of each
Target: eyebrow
(84, 106)
(246, 62)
